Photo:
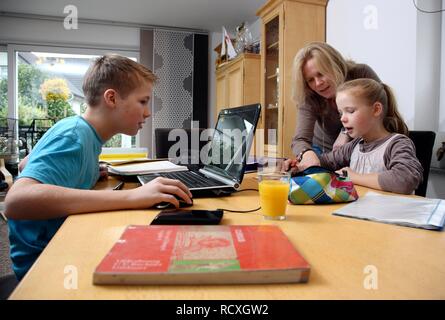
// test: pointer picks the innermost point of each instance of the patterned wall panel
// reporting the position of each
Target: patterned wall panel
(173, 93)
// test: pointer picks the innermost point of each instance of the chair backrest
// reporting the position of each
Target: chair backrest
(424, 143)
(186, 156)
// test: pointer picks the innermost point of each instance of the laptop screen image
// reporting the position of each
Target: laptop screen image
(224, 157)
(232, 140)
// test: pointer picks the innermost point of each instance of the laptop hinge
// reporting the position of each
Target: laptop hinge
(226, 181)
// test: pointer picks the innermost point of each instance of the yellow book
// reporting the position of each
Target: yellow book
(116, 156)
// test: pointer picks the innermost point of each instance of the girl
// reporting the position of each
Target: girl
(381, 156)
(317, 72)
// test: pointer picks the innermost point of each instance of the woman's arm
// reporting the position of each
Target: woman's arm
(304, 132)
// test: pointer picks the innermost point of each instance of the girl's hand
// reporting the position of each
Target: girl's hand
(346, 172)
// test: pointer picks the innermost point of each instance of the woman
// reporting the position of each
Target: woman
(317, 72)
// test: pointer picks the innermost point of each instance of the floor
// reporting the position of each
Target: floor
(5, 262)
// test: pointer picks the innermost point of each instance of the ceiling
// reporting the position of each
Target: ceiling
(208, 15)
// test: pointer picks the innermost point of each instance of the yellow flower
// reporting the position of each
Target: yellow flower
(55, 89)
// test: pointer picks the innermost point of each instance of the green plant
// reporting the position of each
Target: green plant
(114, 142)
(3, 95)
(28, 112)
(29, 80)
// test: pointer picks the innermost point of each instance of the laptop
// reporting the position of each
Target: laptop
(225, 163)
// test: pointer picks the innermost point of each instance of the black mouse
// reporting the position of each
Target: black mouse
(168, 205)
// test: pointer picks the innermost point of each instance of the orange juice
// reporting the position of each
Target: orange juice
(273, 197)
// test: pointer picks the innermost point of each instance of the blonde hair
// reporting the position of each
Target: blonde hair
(327, 60)
(371, 91)
(116, 72)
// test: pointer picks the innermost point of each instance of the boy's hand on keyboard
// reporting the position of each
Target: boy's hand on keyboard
(159, 190)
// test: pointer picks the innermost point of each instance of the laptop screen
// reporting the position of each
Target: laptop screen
(232, 140)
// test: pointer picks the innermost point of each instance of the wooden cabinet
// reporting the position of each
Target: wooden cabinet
(238, 82)
(287, 26)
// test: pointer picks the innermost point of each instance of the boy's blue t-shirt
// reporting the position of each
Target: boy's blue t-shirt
(67, 155)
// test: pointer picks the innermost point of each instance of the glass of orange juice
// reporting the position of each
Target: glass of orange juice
(274, 187)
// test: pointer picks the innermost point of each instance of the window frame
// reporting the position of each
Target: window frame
(12, 53)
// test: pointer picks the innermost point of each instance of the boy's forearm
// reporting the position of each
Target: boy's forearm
(42, 201)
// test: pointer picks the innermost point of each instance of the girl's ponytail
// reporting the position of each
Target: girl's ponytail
(393, 121)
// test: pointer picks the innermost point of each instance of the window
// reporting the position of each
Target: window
(3, 83)
(49, 88)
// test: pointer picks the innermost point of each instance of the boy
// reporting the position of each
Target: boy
(63, 166)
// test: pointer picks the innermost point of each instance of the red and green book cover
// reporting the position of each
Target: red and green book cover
(202, 255)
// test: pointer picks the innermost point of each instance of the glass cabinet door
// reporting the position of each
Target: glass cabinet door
(272, 78)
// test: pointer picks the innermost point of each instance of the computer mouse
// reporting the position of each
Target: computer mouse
(168, 205)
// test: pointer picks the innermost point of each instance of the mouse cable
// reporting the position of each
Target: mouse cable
(243, 211)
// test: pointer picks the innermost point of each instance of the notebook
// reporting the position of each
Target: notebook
(416, 212)
(226, 159)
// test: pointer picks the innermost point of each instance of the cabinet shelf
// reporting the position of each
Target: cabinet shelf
(274, 76)
(273, 46)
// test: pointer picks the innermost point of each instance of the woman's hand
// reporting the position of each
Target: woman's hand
(293, 165)
(309, 159)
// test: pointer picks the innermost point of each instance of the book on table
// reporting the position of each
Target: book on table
(223, 254)
(116, 156)
(146, 168)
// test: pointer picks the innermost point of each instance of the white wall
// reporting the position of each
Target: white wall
(381, 34)
(427, 103)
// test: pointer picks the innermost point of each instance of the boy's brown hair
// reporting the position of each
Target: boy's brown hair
(116, 72)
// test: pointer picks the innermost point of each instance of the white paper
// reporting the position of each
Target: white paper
(406, 211)
(146, 167)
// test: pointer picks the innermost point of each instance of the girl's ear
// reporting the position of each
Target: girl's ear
(110, 97)
(377, 109)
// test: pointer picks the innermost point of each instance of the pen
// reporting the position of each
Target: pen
(119, 186)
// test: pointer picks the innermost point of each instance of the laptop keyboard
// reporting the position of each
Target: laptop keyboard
(189, 178)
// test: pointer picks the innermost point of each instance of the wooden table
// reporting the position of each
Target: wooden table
(410, 263)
